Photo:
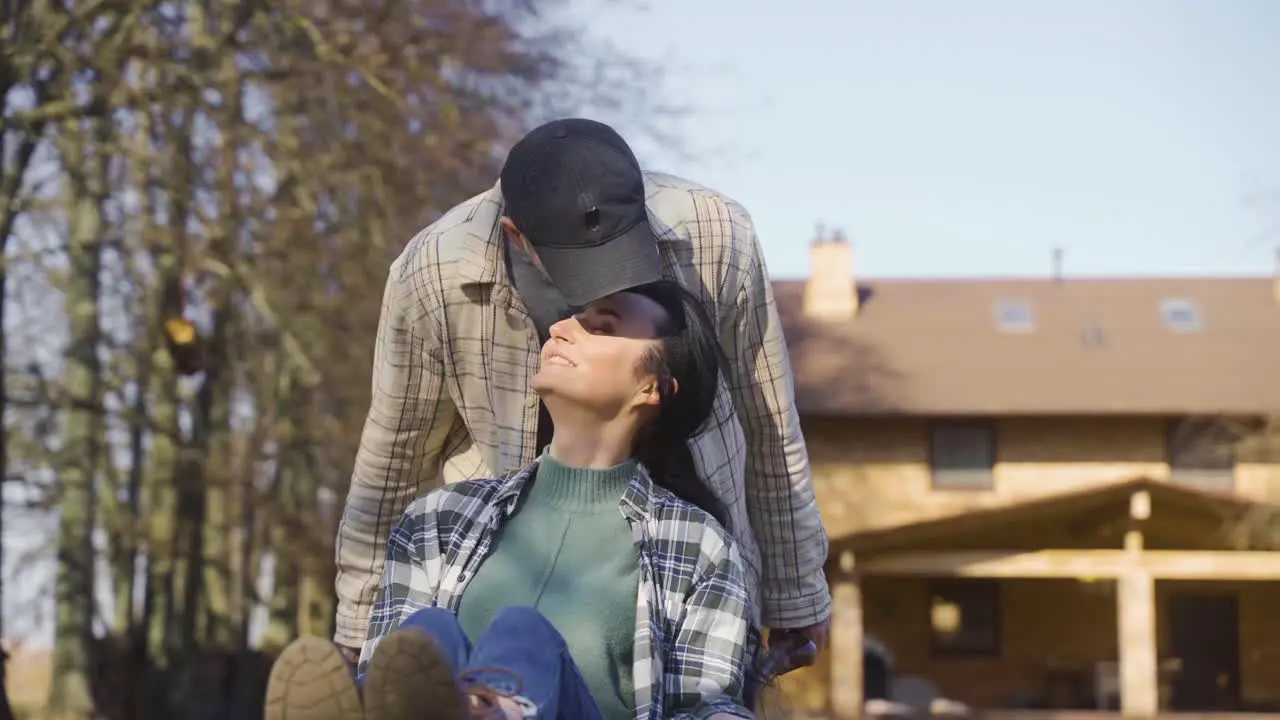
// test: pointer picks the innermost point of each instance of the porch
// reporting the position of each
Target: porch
(1121, 598)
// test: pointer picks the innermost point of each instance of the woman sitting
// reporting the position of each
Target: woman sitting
(584, 586)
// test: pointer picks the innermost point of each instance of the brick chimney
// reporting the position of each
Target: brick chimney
(830, 292)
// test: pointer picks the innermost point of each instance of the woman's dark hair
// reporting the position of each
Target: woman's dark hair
(687, 362)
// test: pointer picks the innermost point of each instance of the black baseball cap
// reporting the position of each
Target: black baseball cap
(574, 189)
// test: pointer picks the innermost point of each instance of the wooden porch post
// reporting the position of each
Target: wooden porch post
(1139, 683)
(846, 642)
(1136, 622)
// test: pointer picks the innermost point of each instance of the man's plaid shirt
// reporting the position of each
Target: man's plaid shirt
(451, 398)
(694, 637)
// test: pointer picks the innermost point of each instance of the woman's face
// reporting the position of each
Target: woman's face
(595, 358)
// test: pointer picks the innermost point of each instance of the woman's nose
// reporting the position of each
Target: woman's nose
(566, 329)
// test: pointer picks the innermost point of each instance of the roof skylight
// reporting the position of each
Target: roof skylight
(1014, 315)
(1181, 315)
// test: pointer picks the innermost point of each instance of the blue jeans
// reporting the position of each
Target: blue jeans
(526, 645)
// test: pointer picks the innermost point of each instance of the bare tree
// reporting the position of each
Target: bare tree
(202, 197)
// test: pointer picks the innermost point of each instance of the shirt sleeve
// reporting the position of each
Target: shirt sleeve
(706, 669)
(409, 579)
(410, 417)
(779, 487)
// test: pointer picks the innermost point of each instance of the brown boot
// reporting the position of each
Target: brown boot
(312, 681)
(410, 678)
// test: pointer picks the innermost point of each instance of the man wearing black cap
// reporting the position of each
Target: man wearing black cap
(468, 305)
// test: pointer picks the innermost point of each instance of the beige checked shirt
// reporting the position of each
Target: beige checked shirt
(451, 398)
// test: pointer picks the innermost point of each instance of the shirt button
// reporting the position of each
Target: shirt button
(531, 402)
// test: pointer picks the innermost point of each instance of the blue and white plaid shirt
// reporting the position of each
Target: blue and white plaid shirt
(694, 637)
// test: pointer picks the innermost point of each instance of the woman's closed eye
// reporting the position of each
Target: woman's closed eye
(624, 315)
(602, 328)
(599, 322)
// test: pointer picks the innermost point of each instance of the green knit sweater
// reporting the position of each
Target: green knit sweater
(568, 552)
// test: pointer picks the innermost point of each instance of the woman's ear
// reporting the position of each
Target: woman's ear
(650, 392)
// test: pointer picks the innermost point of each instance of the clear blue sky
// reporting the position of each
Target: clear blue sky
(969, 137)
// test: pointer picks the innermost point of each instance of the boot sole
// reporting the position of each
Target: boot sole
(312, 681)
(411, 678)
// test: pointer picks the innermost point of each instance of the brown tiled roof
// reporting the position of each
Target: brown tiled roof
(1098, 346)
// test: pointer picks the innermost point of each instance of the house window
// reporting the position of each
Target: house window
(963, 456)
(1202, 454)
(964, 618)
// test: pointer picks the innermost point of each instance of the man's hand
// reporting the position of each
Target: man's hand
(796, 640)
(817, 634)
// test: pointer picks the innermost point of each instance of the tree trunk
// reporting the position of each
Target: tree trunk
(83, 434)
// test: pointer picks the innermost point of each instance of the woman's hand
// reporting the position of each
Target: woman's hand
(351, 655)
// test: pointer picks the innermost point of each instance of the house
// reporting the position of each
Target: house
(1043, 493)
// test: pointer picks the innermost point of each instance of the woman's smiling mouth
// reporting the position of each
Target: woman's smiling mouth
(558, 359)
